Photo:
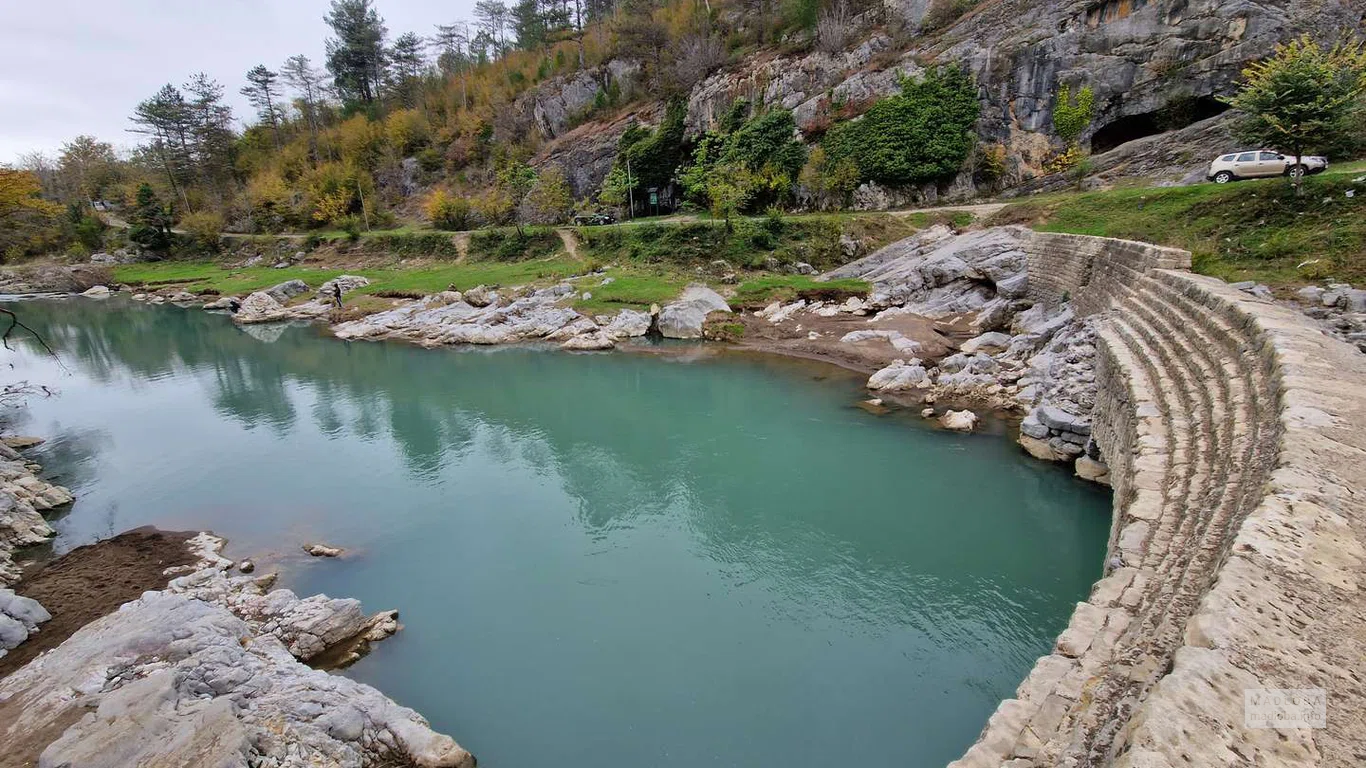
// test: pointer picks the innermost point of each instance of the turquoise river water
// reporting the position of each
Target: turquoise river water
(618, 559)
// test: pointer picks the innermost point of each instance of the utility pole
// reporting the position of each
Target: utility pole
(364, 213)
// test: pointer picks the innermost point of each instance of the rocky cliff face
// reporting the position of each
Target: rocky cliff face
(1139, 56)
(1154, 65)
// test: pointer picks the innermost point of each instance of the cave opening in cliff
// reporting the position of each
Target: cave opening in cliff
(1175, 115)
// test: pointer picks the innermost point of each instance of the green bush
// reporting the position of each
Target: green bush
(922, 134)
(512, 244)
(413, 245)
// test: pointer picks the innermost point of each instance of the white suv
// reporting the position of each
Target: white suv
(1258, 163)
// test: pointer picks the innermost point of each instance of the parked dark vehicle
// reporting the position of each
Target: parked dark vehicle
(593, 219)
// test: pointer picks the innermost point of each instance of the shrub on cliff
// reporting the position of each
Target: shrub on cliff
(448, 211)
(920, 135)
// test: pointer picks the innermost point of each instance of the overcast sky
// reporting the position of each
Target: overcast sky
(69, 67)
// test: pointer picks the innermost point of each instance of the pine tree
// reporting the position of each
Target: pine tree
(299, 74)
(528, 24)
(151, 224)
(493, 17)
(406, 63)
(261, 90)
(355, 57)
(210, 129)
(165, 118)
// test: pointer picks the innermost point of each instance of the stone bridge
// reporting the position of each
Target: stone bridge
(1236, 436)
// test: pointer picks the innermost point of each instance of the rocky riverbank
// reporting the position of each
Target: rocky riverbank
(210, 671)
(24, 496)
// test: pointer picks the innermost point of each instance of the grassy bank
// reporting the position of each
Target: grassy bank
(647, 263)
(1250, 230)
(199, 276)
(751, 244)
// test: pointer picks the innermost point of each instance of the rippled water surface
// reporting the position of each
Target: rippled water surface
(614, 560)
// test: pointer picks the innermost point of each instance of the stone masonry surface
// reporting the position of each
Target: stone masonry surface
(1235, 432)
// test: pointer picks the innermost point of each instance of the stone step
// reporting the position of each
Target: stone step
(1179, 345)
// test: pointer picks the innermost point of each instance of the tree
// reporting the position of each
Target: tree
(920, 135)
(355, 57)
(827, 183)
(528, 24)
(165, 118)
(1072, 115)
(20, 193)
(729, 189)
(1302, 98)
(406, 63)
(493, 18)
(453, 42)
(151, 224)
(210, 125)
(550, 200)
(298, 72)
(261, 90)
(87, 166)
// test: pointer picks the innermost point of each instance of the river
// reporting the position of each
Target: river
(615, 559)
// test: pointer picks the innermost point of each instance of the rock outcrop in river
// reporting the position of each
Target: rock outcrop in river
(23, 498)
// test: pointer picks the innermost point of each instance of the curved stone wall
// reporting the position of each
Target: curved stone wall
(1235, 432)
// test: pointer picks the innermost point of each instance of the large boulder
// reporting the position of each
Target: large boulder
(959, 421)
(97, 291)
(683, 319)
(899, 377)
(347, 283)
(179, 679)
(259, 307)
(628, 323)
(287, 290)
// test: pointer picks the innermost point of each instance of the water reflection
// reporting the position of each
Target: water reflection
(635, 524)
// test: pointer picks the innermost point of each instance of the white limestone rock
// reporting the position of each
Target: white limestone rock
(589, 342)
(960, 421)
(347, 283)
(900, 376)
(171, 679)
(97, 292)
(683, 318)
(628, 323)
(990, 343)
(283, 292)
(259, 307)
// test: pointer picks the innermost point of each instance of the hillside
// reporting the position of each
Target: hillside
(643, 107)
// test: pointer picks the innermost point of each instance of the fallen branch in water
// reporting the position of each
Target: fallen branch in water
(15, 323)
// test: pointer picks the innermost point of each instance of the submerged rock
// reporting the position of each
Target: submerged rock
(323, 550)
(589, 342)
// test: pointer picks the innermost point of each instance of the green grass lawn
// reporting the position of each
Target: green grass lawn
(196, 276)
(1248, 230)
(632, 287)
(766, 288)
